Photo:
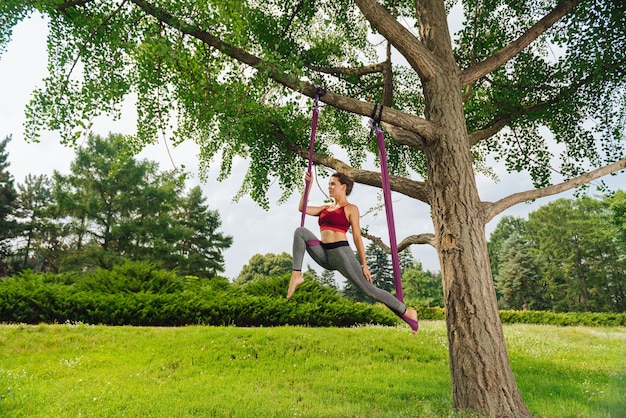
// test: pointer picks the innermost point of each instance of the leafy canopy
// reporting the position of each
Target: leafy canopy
(224, 74)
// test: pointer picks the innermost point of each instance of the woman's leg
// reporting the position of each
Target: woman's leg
(301, 237)
(343, 259)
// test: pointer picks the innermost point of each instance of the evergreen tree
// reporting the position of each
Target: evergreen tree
(38, 231)
(379, 263)
(328, 279)
(200, 250)
(8, 196)
(508, 225)
(578, 246)
(112, 207)
(616, 276)
(520, 281)
(406, 259)
(579, 252)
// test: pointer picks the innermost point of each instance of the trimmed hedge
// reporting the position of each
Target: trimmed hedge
(141, 294)
(543, 317)
(564, 318)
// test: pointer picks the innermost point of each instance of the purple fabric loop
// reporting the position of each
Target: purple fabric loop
(313, 243)
(314, 118)
(384, 171)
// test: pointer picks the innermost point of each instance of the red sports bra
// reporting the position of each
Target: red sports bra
(334, 220)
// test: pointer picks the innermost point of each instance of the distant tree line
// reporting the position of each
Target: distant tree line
(570, 255)
(110, 208)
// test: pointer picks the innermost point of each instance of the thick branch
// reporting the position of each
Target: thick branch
(405, 138)
(408, 122)
(411, 188)
(482, 134)
(494, 208)
(416, 54)
(359, 71)
(474, 72)
(407, 242)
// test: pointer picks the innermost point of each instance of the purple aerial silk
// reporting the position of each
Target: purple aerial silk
(386, 186)
(311, 147)
(384, 172)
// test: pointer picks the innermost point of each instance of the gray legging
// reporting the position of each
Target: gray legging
(340, 258)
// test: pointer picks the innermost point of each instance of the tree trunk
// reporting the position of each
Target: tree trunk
(482, 379)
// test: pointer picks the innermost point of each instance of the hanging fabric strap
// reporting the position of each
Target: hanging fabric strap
(319, 92)
(386, 186)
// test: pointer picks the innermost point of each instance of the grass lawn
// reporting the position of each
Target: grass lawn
(99, 371)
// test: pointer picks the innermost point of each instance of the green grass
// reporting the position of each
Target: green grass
(99, 371)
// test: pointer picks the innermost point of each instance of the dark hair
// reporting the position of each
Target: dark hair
(344, 179)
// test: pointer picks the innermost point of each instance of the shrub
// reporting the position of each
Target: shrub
(433, 313)
(132, 277)
(137, 293)
(141, 294)
(564, 318)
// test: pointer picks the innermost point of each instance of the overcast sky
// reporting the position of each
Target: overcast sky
(254, 231)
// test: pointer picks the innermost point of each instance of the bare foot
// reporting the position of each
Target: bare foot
(411, 313)
(410, 317)
(296, 280)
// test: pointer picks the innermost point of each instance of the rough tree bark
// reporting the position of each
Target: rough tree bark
(482, 378)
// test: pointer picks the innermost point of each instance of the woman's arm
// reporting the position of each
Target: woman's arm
(352, 212)
(310, 210)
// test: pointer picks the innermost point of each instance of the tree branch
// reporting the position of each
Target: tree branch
(405, 138)
(411, 188)
(416, 54)
(482, 134)
(359, 71)
(519, 110)
(404, 244)
(406, 121)
(474, 72)
(491, 209)
(292, 18)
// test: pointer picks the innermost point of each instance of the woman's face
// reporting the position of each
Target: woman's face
(335, 188)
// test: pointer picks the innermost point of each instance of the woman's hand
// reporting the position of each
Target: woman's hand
(366, 273)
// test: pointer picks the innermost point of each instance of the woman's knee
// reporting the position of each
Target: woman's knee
(301, 232)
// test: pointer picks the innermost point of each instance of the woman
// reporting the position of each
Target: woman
(333, 251)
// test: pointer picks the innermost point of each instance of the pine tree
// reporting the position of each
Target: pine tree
(379, 263)
(8, 196)
(38, 232)
(520, 281)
